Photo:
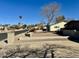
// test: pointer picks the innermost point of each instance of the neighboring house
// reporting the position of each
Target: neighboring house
(72, 25)
(57, 26)
(40, 29)
(71, 28)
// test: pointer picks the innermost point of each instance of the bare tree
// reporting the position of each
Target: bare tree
(49, 12)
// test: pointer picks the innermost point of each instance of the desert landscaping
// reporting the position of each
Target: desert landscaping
(39, 29)
(40, 45)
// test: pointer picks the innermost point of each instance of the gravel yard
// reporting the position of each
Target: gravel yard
(46, 51)
(41, 45)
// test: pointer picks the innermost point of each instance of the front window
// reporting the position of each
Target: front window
(56, 27)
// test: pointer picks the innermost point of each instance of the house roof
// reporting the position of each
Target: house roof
(74, 24)
(58, 23)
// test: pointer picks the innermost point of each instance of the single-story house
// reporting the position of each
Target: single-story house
(57, 26)
(72, 25)
(71, 28)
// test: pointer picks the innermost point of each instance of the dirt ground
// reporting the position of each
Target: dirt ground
(41, 45)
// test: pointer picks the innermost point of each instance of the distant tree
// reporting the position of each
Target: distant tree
(60, 19)
(30, 26)
(24, 26)
(40, 26)
(49, 12)
(42, 22)
(17, 27)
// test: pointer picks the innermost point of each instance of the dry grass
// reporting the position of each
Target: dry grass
(47, 51)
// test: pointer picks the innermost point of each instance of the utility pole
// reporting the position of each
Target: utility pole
(20, 17)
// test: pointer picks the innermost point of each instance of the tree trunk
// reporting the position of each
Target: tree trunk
(48, 27)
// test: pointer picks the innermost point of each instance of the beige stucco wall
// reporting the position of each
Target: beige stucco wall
(60, 25)
(11, 37)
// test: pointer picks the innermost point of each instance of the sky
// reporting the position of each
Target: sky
(31, 10)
